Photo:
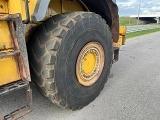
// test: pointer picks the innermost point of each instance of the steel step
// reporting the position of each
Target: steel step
(12, 87)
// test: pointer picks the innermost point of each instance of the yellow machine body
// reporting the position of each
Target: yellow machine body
(5, 37)
(16, 6)
(9, 71)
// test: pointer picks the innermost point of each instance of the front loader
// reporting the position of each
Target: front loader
(66, 47)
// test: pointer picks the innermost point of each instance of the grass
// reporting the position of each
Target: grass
(135, 34)
(127, 21)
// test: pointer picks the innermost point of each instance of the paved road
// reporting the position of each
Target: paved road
(131, 93)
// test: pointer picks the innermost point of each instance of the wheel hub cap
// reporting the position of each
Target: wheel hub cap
(90, 63)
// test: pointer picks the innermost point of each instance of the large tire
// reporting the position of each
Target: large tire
(53, 52)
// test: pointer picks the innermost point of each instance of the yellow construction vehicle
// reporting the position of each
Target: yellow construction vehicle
(71, 46)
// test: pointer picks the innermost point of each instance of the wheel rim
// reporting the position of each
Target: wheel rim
(90, 64)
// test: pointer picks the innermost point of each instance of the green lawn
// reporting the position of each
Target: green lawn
(127, 21)
(135, 34)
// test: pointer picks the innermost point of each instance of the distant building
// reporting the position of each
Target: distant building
(146, 14)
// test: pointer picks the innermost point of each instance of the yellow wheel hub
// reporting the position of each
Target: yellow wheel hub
(90, 63)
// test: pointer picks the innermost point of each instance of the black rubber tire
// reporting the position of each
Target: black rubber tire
(53, 50)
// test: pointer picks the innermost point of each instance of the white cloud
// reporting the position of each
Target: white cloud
(128, 7)
(127, 4)
(154, 8)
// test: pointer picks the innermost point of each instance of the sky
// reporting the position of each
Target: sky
(131, 7)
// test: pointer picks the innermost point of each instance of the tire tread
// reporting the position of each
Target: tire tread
(44, 53)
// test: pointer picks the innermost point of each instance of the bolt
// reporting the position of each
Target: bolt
(1, 6)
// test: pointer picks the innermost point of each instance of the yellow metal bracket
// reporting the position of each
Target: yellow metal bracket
(122, 37)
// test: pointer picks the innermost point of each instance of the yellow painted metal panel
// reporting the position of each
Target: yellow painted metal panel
(67, 6)
(119, 43)
(71, 5)
(3, 6)
(14, 6)
(32, 5)
(122, 37)
(9, 71)
(122, 30)
(54, 7)
(17, 6)
(5, 36)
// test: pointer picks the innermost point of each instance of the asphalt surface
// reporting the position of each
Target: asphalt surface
(131, 93)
